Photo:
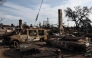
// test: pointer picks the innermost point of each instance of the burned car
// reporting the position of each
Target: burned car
(25, 36)
(70, 42)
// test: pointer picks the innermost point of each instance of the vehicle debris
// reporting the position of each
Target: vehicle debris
(25, 36)
(70, 42)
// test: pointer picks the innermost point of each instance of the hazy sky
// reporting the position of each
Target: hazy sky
(13, 10)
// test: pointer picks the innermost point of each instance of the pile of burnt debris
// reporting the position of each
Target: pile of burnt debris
(45, 53)
(88, 53)
(36, 53)
(29, 52)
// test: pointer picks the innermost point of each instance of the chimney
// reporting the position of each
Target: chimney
(20, 24)
(60, 27)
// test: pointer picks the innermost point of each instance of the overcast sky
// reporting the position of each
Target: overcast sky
(13, 10)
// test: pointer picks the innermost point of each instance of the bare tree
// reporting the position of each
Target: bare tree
(2, 19)
(79, 15)
(2, 1)
(31, 25)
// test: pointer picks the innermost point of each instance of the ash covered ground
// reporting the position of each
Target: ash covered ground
(41, 51)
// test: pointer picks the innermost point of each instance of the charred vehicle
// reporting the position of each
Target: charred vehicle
(25, 36)
(4, 32)
(70, 42)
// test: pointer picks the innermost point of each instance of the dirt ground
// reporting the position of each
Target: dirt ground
(45, 51)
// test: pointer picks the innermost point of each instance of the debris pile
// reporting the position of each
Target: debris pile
(32, 51)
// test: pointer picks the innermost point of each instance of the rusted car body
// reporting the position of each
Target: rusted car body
(26, 36)
(70, 42)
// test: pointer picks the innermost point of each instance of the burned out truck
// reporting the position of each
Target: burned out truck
(69, 42)
(25, 36)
